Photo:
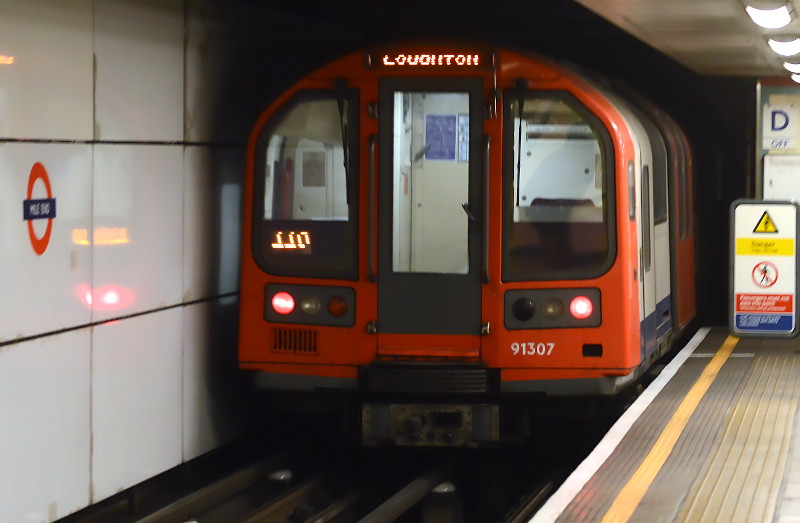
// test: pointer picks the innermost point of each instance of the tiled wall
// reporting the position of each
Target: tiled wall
(117, 343)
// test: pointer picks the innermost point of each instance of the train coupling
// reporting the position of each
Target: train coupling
(445, 425)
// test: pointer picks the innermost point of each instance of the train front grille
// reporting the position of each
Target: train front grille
(303, 341)
(416, 379)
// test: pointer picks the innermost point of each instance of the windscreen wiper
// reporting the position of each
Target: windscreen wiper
(344, 110)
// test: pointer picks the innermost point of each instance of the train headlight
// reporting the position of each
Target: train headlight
(337, 306)
(310, 305)
(283, 303)
(553, 308)
(581, 307)
(523, 309)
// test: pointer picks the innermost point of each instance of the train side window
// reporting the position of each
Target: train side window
(684, 196)
(559, 196)
(646, 255)
(659, 180)
(631, 190)
(304, 222)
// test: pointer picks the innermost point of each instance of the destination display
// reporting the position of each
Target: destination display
(291, 241)
(415, 59)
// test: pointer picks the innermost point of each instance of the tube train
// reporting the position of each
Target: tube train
(444, 234)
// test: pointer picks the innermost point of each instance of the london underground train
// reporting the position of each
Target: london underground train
(442, 235)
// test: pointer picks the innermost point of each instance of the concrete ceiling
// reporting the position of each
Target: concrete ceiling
(710, 37)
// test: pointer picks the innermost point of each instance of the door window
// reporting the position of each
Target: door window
(430, 183)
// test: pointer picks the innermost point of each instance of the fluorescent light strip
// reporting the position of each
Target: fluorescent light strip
(770, 18)
(792, 68)
(790, 48)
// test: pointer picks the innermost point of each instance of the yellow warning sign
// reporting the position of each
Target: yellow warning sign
(765, 224)
(757, 246)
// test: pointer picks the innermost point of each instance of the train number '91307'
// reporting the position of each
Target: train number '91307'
(530, 348)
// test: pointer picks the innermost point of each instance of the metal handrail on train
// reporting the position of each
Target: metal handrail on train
(371, 211)
(487, 142)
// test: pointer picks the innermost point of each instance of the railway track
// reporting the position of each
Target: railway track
(326, 478)
(306, 483)
(298, 485)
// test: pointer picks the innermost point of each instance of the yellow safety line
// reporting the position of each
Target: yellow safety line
(632, 493)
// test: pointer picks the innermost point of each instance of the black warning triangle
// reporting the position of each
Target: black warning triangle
(765, 224)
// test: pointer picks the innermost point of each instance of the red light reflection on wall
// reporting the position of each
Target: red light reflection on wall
(106, 298)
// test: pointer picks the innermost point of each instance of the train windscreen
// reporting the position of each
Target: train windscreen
(556, 222)
(304, 219)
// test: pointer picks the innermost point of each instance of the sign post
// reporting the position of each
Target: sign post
(764, 282)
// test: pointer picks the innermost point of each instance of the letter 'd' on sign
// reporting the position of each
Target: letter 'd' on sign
(779, 127)
(780, 120)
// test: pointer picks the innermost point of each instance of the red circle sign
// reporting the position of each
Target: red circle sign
(765, 274)
(38, 172)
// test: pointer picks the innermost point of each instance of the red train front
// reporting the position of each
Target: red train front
(445, 233)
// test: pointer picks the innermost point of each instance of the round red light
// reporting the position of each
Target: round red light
(283, 303)
(337, 306)
(581, 307)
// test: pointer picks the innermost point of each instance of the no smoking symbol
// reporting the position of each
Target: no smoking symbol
(765, 274)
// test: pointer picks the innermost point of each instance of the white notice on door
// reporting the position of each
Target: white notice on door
(782, 177)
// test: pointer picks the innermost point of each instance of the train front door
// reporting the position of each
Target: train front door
(429, 211)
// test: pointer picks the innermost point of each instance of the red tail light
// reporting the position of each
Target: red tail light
(581, 307)
(283, 303)
(337, 306)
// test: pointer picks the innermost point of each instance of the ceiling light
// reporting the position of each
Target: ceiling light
(770, 18)
(785, 48)
(792, 68)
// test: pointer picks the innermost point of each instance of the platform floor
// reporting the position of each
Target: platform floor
(714, 438)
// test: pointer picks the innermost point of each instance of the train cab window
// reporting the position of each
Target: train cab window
(559, 196)
(304, 223)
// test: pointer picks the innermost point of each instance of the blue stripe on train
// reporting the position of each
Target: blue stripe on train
(651, 330)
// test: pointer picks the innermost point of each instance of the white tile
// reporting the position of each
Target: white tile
(213, 386)
(47, 91)
(138, 208)
(789, 510)
(218, 64)
(791, 489)
(212, 220)
(43, 293)
(136, 400)
(139, 49)
(45, 420)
